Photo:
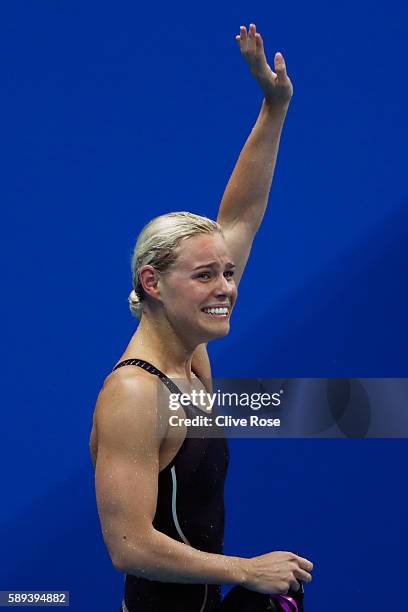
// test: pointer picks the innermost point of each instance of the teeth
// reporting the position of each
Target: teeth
(219, 311)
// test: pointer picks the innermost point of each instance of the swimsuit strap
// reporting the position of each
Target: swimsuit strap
(145, 365)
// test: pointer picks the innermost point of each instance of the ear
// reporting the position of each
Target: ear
(149, 278)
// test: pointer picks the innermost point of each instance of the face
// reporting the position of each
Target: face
(199, 291)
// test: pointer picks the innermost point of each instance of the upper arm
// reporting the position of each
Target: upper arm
(239, 237)
(200, 364)
(127, 465)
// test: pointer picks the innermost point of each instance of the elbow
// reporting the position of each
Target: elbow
(128, 564)
(118, 558)
(129, 561)
(132, 557)
(119, 564)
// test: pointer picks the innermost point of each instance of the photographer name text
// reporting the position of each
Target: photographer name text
(223, 421)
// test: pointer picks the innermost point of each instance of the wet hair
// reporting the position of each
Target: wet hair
(157, 245)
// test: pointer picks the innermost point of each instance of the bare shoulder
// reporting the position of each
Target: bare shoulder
(127, 405)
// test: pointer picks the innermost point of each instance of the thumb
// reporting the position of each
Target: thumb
(280, 66)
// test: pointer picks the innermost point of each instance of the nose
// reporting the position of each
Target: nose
(224, 287)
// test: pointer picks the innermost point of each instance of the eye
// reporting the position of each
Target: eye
(229, 273)
(204, 275)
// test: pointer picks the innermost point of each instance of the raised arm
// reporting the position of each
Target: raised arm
(246, 196)
(127, 466)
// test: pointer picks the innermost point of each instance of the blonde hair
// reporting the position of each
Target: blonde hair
(157, 243)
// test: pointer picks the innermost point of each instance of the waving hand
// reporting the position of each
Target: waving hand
(276, 86)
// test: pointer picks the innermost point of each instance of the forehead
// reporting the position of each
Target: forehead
(203, 249)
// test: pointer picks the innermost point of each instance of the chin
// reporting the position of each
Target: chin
(223, 330)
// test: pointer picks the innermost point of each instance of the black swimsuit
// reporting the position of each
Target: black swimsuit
(190, 509)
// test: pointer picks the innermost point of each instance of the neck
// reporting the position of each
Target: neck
(157, 342)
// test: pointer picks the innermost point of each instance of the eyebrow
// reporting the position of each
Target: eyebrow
(214, 264)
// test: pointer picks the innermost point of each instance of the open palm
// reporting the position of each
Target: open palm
(277, 86)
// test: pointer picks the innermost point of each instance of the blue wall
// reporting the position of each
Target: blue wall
(116, 112)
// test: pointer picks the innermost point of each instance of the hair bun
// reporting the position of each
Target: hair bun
(135, 304)
(133, 296)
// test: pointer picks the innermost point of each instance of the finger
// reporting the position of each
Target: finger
(280, 66)
(251, 38)
(302, 575)
(243, 39)
(259, 42)
(305, 563)
(243, 33)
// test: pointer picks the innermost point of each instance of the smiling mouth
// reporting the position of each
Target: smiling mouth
(217, 313)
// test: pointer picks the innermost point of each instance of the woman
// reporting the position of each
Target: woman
(160, 490)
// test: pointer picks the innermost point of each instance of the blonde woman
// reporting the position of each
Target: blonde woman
(160, 496)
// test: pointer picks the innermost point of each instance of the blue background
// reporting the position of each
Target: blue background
(113, 113)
